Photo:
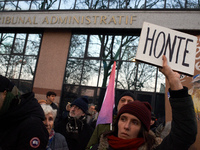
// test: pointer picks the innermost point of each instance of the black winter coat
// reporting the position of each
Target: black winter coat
(78, 139)
(21, 128)
(184, 124)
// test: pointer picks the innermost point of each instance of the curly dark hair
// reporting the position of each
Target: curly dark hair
(49, 93)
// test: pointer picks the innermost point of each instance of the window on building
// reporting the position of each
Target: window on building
(88, 68)
(24, 5)
(18, 5)
(18, 58)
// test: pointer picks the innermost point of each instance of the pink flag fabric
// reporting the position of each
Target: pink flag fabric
(106, 112)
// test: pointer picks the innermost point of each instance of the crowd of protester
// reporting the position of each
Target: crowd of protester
(28, 123)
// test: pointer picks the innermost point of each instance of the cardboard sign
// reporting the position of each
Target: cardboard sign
(178, 47)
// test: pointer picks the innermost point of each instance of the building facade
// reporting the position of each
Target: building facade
(70, 46)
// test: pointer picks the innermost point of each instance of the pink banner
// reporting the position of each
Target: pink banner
(106, 112)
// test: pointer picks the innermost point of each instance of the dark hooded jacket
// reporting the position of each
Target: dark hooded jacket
(21, 127)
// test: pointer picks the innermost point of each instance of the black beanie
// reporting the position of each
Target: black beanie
(142, 110)
(5, 84)
(82, 103)
(127, 93)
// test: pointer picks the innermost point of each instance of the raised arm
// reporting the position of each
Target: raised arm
(172, 77)
(184, 125)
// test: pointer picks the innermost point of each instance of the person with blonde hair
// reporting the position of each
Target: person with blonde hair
(56, 140)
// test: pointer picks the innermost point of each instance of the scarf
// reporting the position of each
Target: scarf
(74, 125)
(124, 144)
(52, 133)
(51, 137)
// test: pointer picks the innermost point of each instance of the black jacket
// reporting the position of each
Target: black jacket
(21, 128)
(184, 124)
(79, 134)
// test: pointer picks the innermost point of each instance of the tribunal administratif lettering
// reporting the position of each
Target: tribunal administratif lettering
(100, 19)
(63, 21)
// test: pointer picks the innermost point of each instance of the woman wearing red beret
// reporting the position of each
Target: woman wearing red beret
(132, 127)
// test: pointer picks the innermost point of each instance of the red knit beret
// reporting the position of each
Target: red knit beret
(142, 110)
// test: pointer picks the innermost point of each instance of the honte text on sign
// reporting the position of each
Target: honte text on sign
(179, 48)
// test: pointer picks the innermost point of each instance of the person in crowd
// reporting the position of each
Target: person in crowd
(56, 140)
(95, 117)
(51, 98)
(92, 116)
(21, 116)
(153, 123)
(133, 122)
(75, 129)
(65, 113)
(155, 127)
(124, 98)
(91, 113)
(68, 106)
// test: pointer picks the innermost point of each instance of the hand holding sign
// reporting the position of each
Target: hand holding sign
(178, 47)
(172, 77)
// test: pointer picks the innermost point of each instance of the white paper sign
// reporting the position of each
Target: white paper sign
(178, 47)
